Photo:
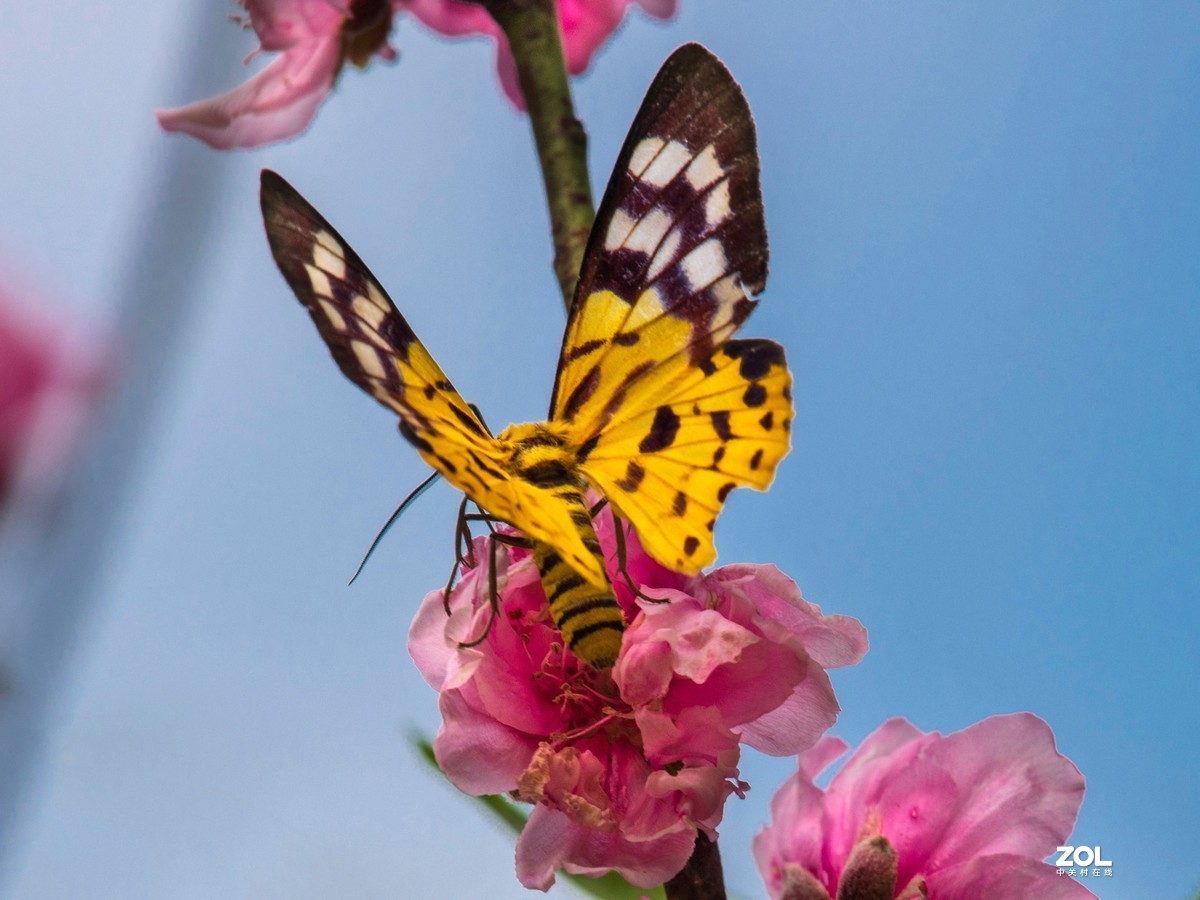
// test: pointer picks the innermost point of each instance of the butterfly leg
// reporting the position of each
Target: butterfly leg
(619, 532)
(619, 526)
(495, 539)
(464, 552)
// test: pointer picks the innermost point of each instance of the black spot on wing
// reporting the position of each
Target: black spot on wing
(582, 393)
(679, 505)
(634, 473)
(584, 349)
(756, 356)
(720, 423)
(627, 381)
(663, 431)
(407, 432)
(484, 466)
(586, 448)
(467, 420)
(755, 395)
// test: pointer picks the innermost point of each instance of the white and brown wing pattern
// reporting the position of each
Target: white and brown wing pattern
(668, 415)
(679, 245)
(371, 342)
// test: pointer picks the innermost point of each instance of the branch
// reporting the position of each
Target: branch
(701, 878)
(532, 29)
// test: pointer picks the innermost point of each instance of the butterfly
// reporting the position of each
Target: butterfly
(654, 404)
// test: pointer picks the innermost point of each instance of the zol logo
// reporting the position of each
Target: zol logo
(1081, 857)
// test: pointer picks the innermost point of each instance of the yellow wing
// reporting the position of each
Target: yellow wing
(377, 350)
(666, 413)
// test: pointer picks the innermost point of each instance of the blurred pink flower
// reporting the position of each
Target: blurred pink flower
(48, 384)
(315, 39)
(586, 24)
(914, 815)
(625, 765)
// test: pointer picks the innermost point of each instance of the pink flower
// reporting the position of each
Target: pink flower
(586, 24)
(914, 815)
(317, 37)
(314, 39)
(48, 384)
(624, 766)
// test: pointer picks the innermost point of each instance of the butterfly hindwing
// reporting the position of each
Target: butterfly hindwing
(667, 413)
(673, 465)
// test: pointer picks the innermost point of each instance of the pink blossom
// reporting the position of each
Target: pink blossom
(624, 766)
(48, 383)
(586, 24)
(915, 815)
(314, 39)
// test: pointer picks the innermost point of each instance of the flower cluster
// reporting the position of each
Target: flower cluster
(625, 766)
(316, 38)
(913, 815)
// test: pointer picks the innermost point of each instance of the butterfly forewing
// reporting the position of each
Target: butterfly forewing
(371, 342)
(668, 415)
(377, 350)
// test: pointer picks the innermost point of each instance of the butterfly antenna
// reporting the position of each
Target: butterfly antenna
(416, 492)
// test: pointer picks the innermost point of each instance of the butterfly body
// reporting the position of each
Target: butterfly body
(654, 404)
(583, 608)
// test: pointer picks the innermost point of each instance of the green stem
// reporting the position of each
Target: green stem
(531, 27)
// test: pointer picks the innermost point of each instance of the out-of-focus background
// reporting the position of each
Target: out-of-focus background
(984, 232)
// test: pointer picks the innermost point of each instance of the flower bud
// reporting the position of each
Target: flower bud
(870, 872)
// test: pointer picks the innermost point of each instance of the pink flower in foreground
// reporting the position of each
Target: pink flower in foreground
(623, 766)
(47, 386)
(586, 24)
(315, 38)
(914, 815)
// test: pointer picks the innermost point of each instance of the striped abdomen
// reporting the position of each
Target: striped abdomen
(588, 615)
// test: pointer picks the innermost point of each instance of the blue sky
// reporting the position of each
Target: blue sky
(983, 228)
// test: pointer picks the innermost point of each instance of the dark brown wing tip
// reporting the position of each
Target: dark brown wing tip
(691, 58)
(275, 193)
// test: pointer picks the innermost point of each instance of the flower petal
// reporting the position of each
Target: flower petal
(277, 103)
(551, 841)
